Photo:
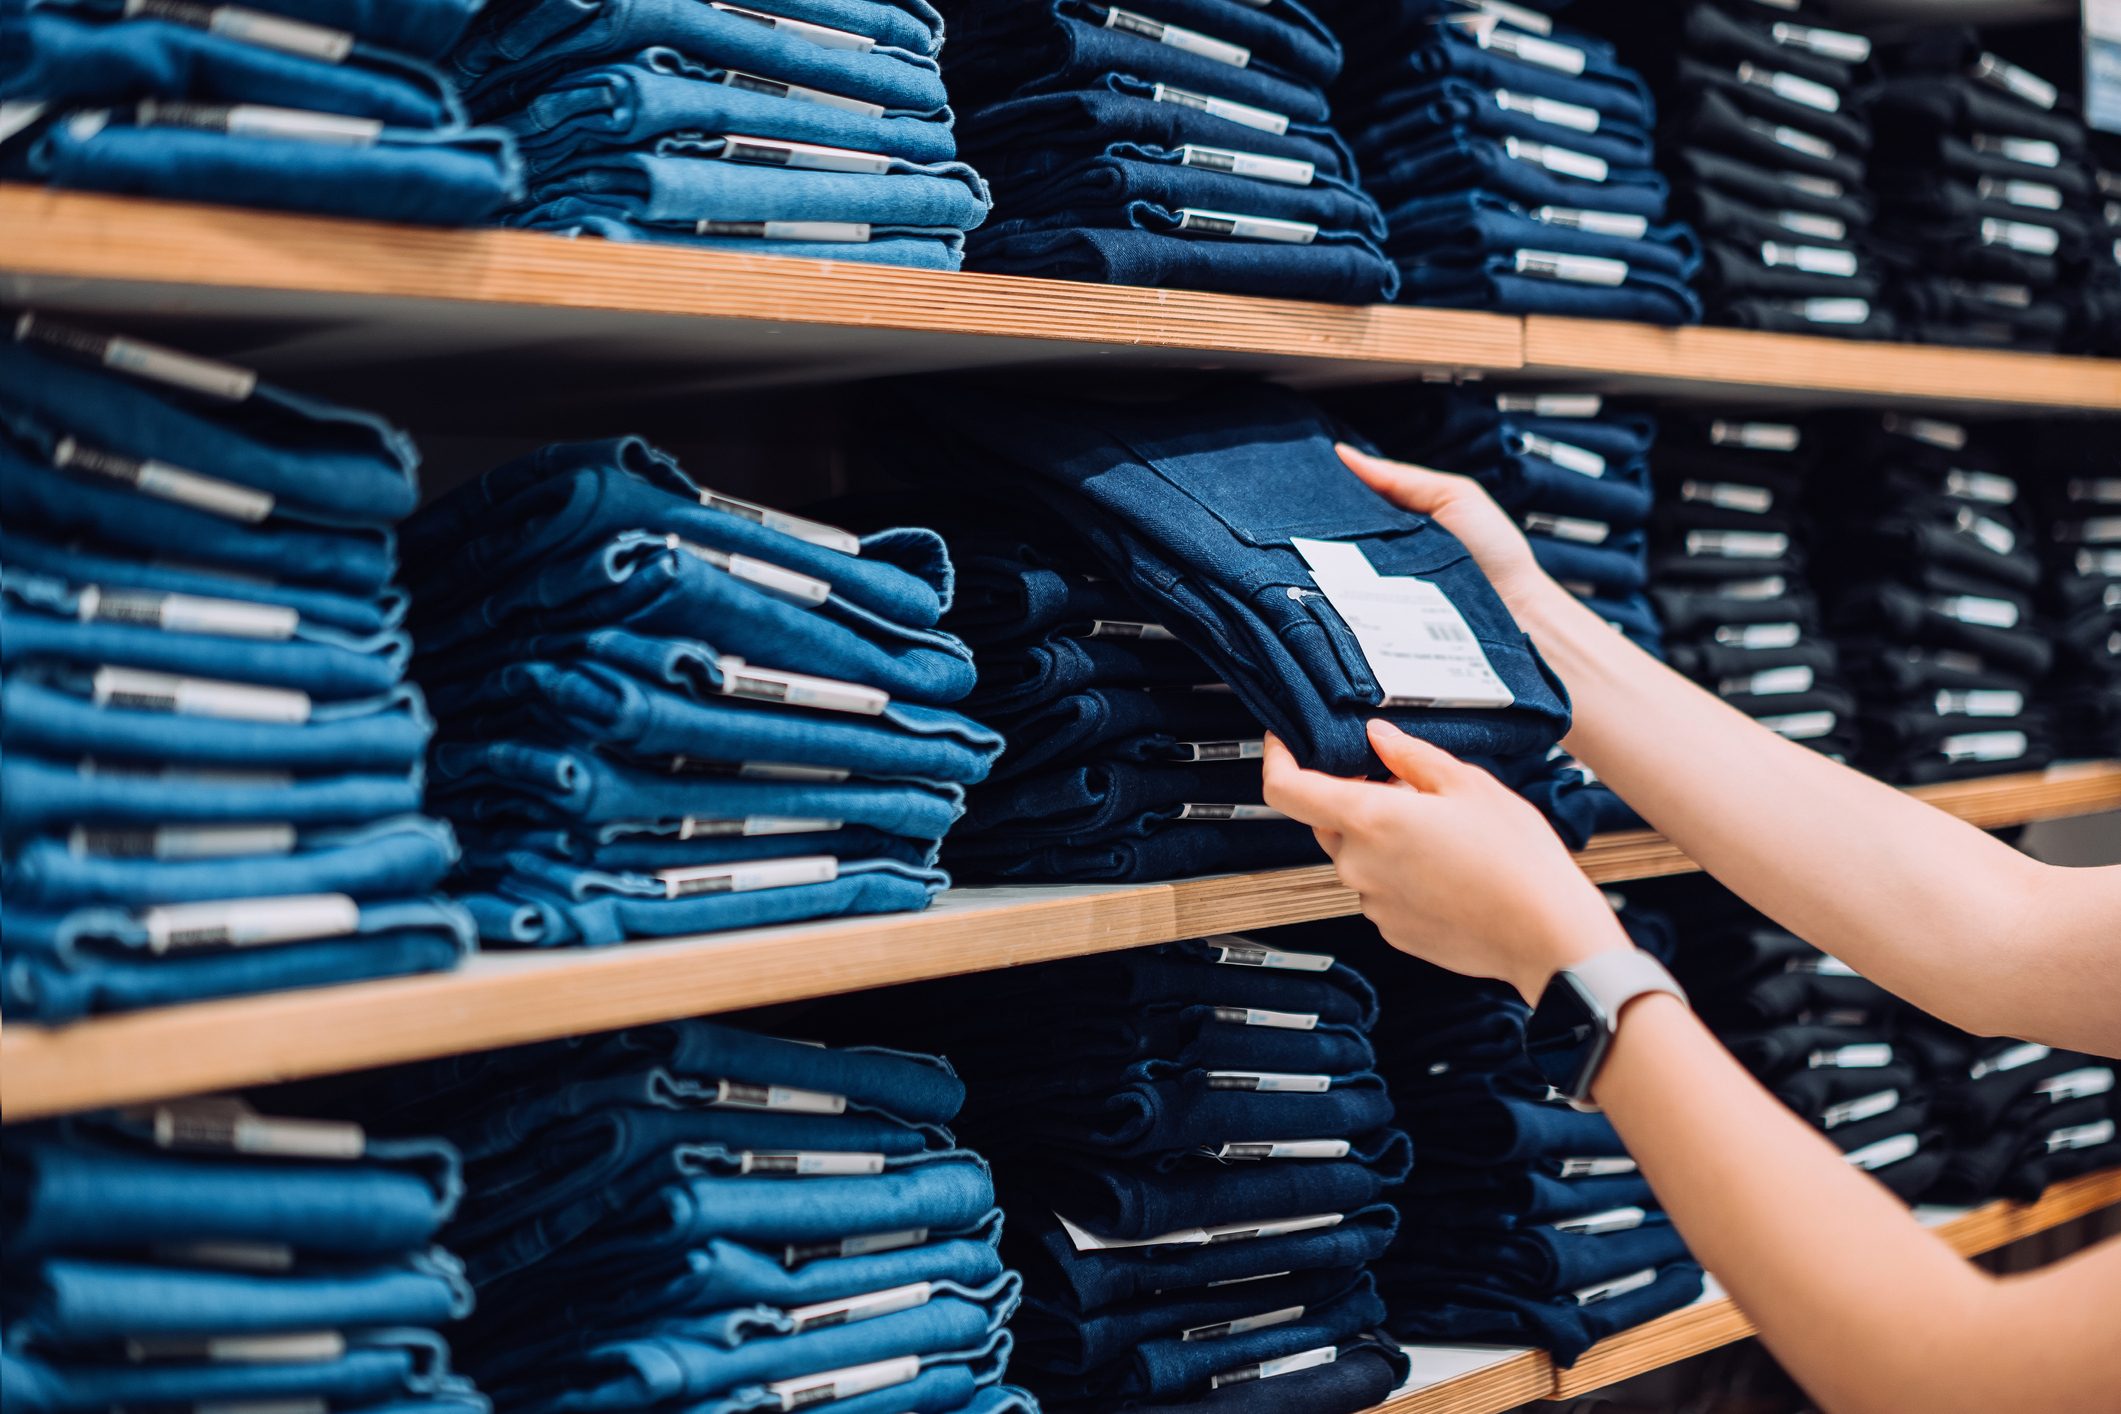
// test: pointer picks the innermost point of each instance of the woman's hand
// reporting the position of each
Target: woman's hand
(1462, 506)
(1452, 866)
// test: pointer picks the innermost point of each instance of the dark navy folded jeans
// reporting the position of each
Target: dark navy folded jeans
(1331, 272)
(1524, 172)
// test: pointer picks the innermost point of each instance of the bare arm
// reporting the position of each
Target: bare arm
(1925, 905)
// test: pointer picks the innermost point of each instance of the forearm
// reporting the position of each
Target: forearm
(1850, 864)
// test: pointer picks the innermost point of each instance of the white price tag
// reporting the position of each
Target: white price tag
(741, 679)
(1886, 1152)
(1560, 160)
(823, 36)
(1757, 500)
(833, 232)
(748, 877)
(774, 88)
(1242, 1324)
(1556, 405)
(1286, 170)
(744, 1095)
(1240, 227)
(1579, 269)
(1566, 455)
(1756, 436)
(1270, 1020)
(1549, 110)
(1598, 223)
(169, 483)
(1417, 644)
(801, 156)
(867, 1307)
(1863, 1107)
(1260, 1150)
(1177, 37)
(1265, 120)
(806, 1390)
(1269, 1369)
(1232, 951)
(142, 360)
(249, 922)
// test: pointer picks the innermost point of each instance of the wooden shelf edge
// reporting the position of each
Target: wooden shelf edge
(1697, 1329)
(502, 999)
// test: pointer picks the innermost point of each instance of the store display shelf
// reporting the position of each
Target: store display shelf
(484, 325)
(501, 999)
(1471, 1380)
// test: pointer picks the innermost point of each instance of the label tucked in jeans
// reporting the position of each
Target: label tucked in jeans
(1264, 119)
(249, 27)
(1178, 37)
(186, 613)
(1286, 170)
(215, 379)
(166, 482)
(823, 36)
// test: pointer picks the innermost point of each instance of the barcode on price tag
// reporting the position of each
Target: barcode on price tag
(1418, 646)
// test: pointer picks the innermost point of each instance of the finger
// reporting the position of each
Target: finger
(1425, 767)
(1312, 797)
(1415, 487)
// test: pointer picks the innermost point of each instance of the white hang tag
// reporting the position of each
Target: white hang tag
(1885, 1153)
(806, 1390)
(1595, 1224)
(823, 36)
(1983, 486)
(2098, 562)
(1812, 185)
(806, 1163)
(1574, 529)
(2016, 1057)
(849, 1309)
(249, 922)
(832, 232)
(17, 114)
(2033, 152)
(1824, 965)
(1619, 1286)
(1246, 228)
(2022, 236)
(288, 1348)
(1597, 223)
(2077, 1084)
(2001, 73)
(1801, 91)
(1795, 139)
(1984, 746)
(786, 1099)
(1951, 436)
(1833, 311)
(801, 156)
(1862, 1108)
(1775, 682)
(2099, 530)
(1491, 34)
(228, 1256)
(2098, 488)
(230, 1126)
(1125, 628)
(1573, 116)
(1802, 726)
(1241, 952)
(1217, 813)
(136, 690)
(1528, 20)
(1756, 436)
(1176, 37)
(1270, 1020)
(1811, 259)
(1738, 544)
(1555, 405)
(1599, 1167)
(1827, 43)
(2037, 195)
(1758, 500)
(1271, 1369)
(262, 1406)
(774, 88)
(1867, 1055)
(1087, 1241)
(1217, 750)
(1818, 228)
(1269, 1082)
(186, 613)
(1978, 610)
(180, 841)
(1259, 1151)
(249, 27)
(2081, 1136)
(142, 360)
(1286, 170)
(1220, 1329)
(1264, 120)
(699, 827)
(1993, 534)
(760, 770)
(741, 679)
(1559, 160)
(866, 1244)
(1760, 635)
(1578, 269)
(747, 877)
(831, 537)
(260, 120)
(165, 482)
(1416, 643)
(1565, 455)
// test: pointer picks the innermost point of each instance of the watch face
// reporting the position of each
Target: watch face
(1566, 1036)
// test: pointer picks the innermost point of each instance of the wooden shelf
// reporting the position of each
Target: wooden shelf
(533, 335)
(501, 999)
(1462, 1380)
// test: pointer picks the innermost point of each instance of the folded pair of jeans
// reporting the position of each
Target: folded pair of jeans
(1461, 225)
(1529, 173)
(1531, 281)
(1179, 852)
(1038, 134)
(1158, 253)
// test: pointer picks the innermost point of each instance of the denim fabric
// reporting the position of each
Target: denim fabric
(1046, 131)
(1461, 161)
(1614, 568)
(1122, 724)
(71, 712)
(916, 249)
(1362, 1376)
(1026, 677)
(38, 793)
(1498, 282)
(1909, 615)
(1336, 273)
(83, 937)
(1186, 974)
(1133, 1203)
(87, 623)
(1461, 1314)
(1958, 104)
(377, 1369)
(1465, 225)
(1198, 527)
(1105, 800)
(1095, 1280)
(1765, 95)
(74, 1302)
(423, 28)
(1452, 49)
(1288, 39)
(1512, 1198)
(1332, 1051)
(1055, 1337)
(1010, 589)
(576, 495)
(1772, 189)
(80, 1190)
(391, 857)
(1181, 851)
(1038, 1060)
(1537, 1260)
(660, 93)
(1175, 1112)
(1718, 120)
(68, 61)
(641, 584)
(1456, 104)
(663, 846)
(1113, 188)
(518, 51)
(1474, 1129)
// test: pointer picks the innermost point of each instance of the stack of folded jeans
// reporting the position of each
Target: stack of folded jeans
(2018, 1115)
(1730, 570)
(2081, 525)
(668, 120)
(1575, 474)
(1184, 145)
(1819, 1036)
(1766, 148)
(1526, 1223)
(1229, 518)
(1127, 758)
(613, 774)
(200, 1255)
(1514, 163)
(2097, 329)
(1192, 1145)
(694, 1217)
(1933, 578)
(327, 106)
(210, 775)
(1981, 179)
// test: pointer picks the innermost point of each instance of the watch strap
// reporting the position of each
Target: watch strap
(1613, 979)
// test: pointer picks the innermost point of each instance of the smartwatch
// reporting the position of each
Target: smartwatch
(1573, 1026)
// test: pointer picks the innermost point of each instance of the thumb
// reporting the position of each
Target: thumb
(1415, 487)
(1429, 769)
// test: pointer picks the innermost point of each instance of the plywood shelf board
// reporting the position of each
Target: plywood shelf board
(500, 999)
